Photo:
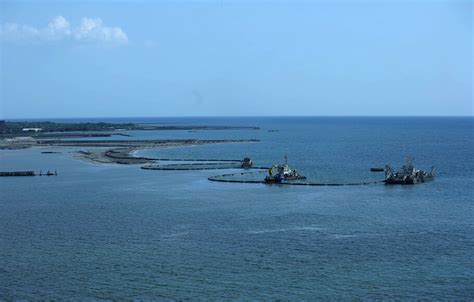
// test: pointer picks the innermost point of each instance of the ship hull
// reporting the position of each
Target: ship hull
(277, 180)
(407, 180)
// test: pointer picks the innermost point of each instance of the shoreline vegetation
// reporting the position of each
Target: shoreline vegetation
(20, 135)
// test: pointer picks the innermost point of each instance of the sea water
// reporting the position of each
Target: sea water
(104, 231)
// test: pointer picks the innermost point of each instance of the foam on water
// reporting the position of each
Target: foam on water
(293, 229)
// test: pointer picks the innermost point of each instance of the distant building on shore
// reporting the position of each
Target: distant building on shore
(36, 130)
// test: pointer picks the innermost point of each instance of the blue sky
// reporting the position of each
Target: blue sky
(235, 58)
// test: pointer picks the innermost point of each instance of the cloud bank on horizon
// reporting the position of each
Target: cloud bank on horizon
(59, 29)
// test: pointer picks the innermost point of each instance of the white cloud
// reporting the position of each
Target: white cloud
(89, 30)
(93, 29)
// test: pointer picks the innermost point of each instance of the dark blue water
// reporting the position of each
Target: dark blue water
(120, 232)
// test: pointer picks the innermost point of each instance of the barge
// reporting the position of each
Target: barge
(282, 172)
(408, 175)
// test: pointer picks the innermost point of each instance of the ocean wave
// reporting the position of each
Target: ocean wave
(342, 236)
(286, 230)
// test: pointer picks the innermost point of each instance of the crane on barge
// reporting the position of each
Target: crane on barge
(408, 175)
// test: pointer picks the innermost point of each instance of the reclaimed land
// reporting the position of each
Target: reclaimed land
(122, 156)
(121, 152)
(136, 143)
(18, 135)
(114, 151)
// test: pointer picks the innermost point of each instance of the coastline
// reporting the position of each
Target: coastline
(113, 151)
(91, 140)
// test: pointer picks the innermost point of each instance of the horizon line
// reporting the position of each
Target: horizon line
(240, 116)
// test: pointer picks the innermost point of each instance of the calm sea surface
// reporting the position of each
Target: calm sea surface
(120, 232)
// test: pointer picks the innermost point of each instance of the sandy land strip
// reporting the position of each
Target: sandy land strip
(124, 152)
(27, 142)
(137, 144)
(111, 151)
(122, 156)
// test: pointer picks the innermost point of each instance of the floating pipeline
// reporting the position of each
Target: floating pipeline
(220, 178)
(27, 173)
(200, 160)
(17, 173)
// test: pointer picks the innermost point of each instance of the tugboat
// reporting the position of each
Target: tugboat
(246, 163)
(282, 172)
(408, 175)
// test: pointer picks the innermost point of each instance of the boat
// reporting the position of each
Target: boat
(408, 175)
(49, 173)
(246, 163)
(282, 172)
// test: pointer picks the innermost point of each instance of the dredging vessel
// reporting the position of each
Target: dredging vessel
(282, 172)
(408, 175)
